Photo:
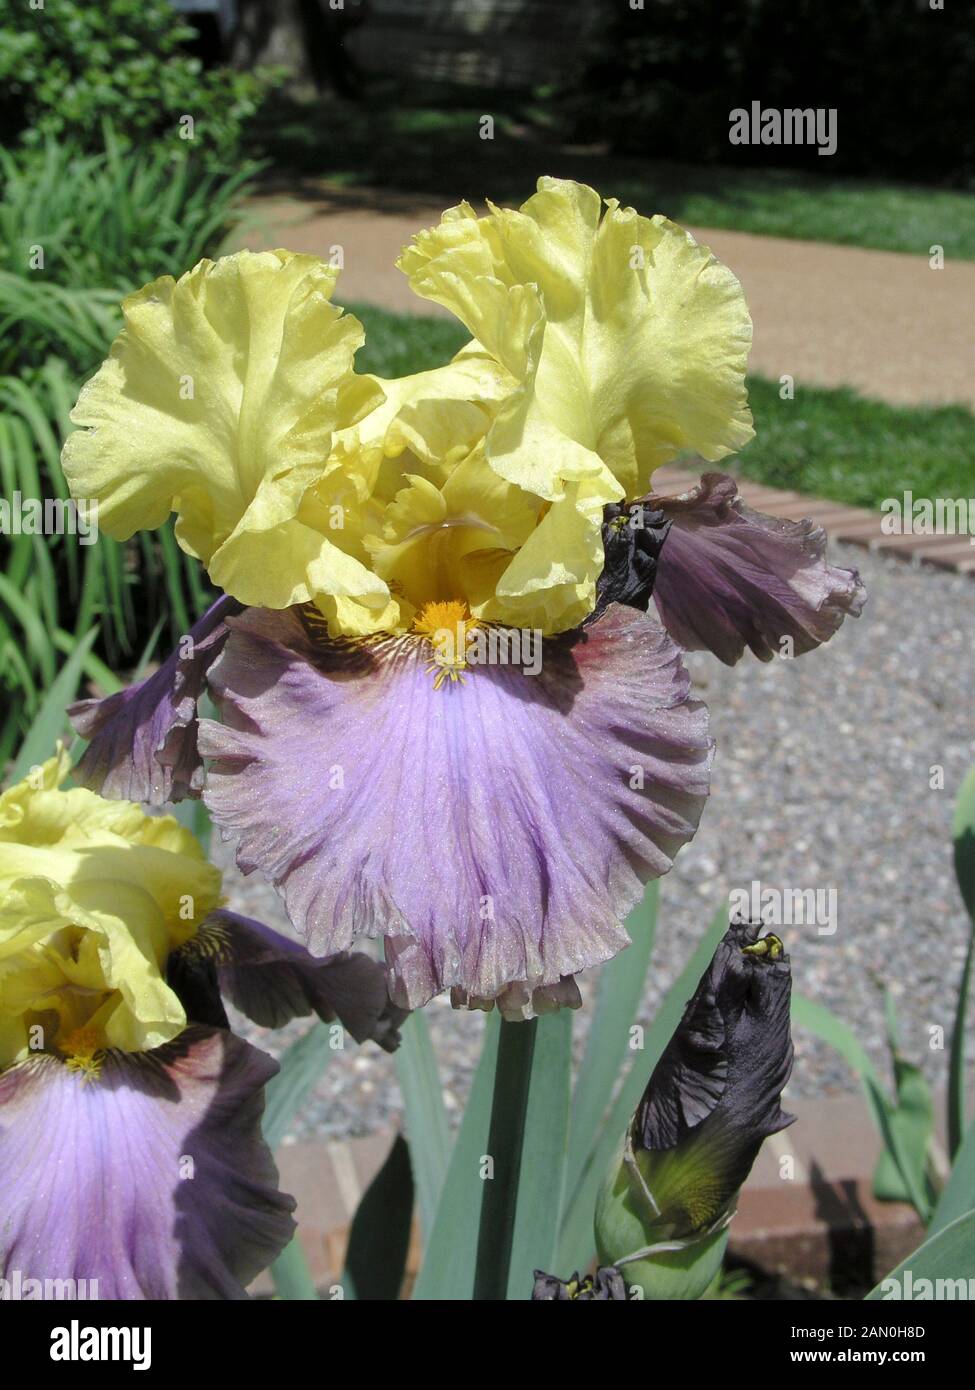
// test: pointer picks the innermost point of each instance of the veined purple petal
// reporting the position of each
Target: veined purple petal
(273, 980)
(143, 740)
(729, 577)
(496, 831)
(152, 1179)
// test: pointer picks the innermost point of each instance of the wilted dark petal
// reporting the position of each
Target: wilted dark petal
(153, 1179)
(495, 831)
(715, 1093)
(603, 1287)
(608, 1284)
(729, 577)
(632, 539)
(273, 980)
(142, 741)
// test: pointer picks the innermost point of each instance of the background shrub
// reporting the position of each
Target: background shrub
(104, 224)
(68, 66)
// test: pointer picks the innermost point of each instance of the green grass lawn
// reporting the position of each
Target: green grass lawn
(830, 443)
(785, 203)
(397, 344)
(436, 153)
(838, 444)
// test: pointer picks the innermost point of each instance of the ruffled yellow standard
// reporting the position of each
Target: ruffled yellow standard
(219, 402)
(627, 343)
(439, 524)
(95, 896)
(628, 340)
(408, 461)
(603, 343)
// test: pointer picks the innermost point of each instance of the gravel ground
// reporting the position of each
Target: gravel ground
(822, 780)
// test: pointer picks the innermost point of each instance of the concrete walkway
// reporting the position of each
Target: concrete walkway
(879, 321)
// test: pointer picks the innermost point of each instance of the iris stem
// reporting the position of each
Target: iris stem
(506, 1136)
(292, 1278)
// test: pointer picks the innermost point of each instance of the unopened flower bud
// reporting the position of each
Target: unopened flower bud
(664, 1210)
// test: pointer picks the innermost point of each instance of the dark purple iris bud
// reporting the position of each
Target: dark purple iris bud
(633, 535)
(605, 1286)
(714, 1096)
(718, 1085)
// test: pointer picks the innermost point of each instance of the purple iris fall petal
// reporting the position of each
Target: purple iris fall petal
(273, 980)
(729, 577)
(152, 1179)
(142, 741)
(496, 831)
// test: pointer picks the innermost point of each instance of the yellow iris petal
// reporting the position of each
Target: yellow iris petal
(219, 402)
(95, 895)
(430, 533)
(550, 583)
(639, 350)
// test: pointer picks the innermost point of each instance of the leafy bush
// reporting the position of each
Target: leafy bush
(68, 66)
(105, 223)
(77, 230)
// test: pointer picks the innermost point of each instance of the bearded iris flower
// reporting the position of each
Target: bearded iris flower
(130, 1139)
(495, 826)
